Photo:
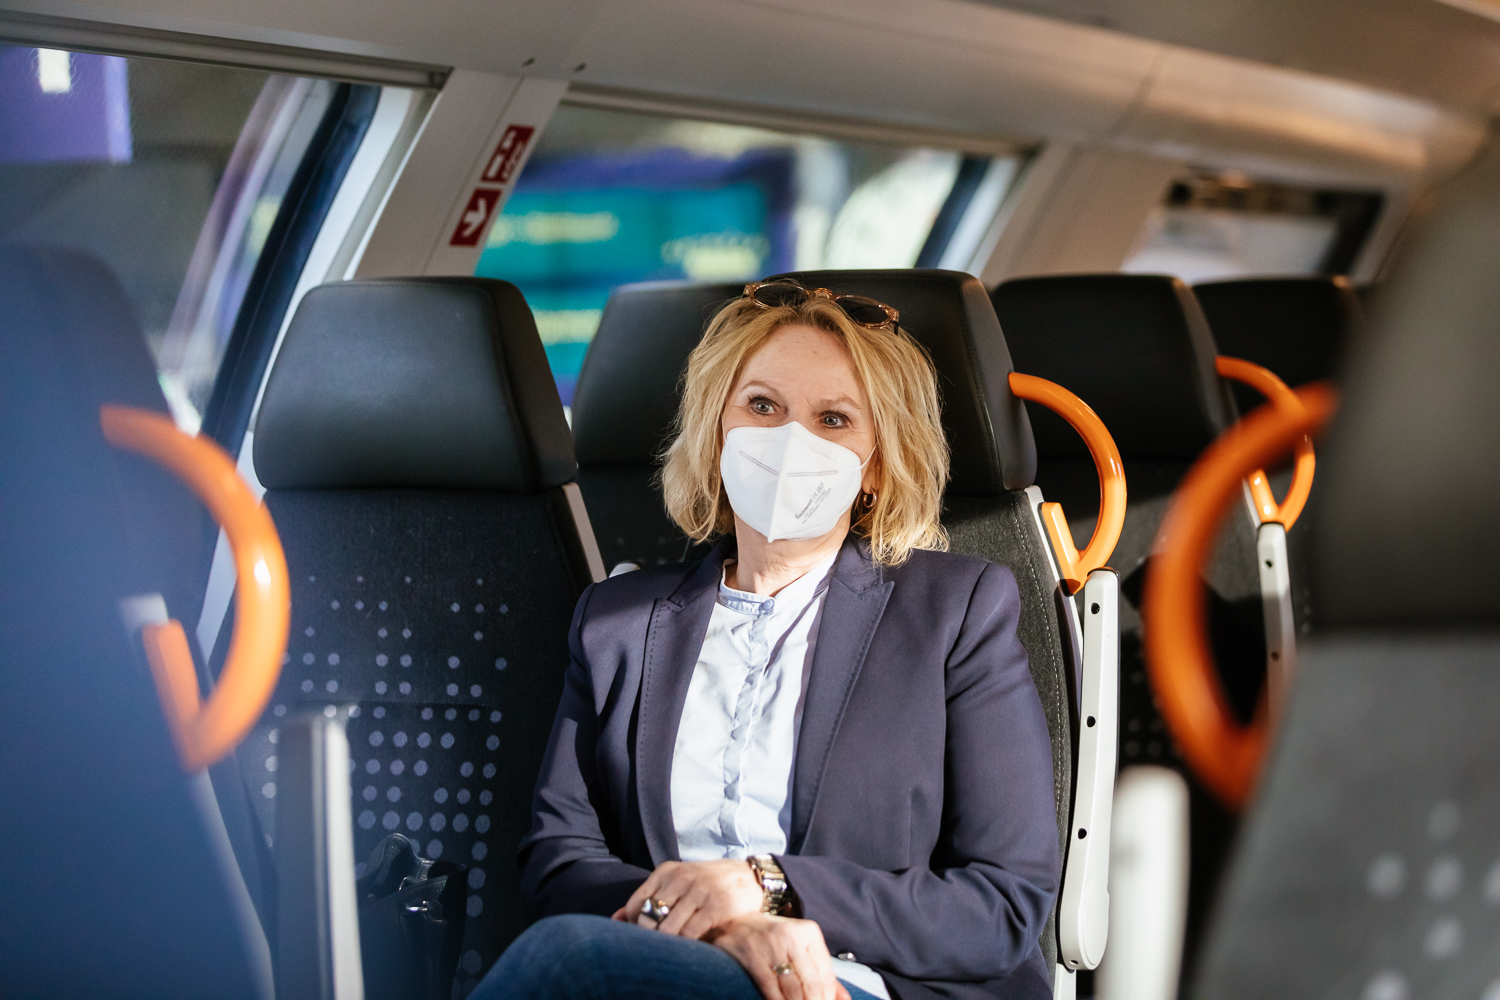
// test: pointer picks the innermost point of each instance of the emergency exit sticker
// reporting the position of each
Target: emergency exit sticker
(507, 155)
(475, 221)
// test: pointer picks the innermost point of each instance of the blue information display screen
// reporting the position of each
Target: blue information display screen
(578, 226)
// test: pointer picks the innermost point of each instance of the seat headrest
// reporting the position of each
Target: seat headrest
(628, 390)
(70, 331)
(1297, 327)
(1404, 524)
(426, 383)
(949, 314)
(1135, 347)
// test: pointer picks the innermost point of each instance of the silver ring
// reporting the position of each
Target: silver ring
(784, 969)
(655, 909)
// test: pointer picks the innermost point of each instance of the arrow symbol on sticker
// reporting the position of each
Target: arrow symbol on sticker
(474, 218)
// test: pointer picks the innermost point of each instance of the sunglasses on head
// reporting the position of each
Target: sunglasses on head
(782, 292)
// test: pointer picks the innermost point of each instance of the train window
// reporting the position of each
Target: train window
(1225, 225)
(170, 173)
(611, 197)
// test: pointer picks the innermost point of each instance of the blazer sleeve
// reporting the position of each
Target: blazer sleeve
(977, 912)
(566, 862)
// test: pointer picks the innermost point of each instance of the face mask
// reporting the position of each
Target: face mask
(786, 482)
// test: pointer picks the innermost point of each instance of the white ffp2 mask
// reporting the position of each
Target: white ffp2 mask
(786, 482)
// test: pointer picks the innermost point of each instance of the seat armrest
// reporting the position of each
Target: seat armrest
(318, 956)
(1083, 913)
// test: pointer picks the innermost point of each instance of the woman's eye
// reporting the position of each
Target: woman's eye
(762, 407)
(834, 420)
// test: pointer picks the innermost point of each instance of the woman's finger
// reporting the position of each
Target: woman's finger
(701, 923)
(632, 908)
(819, 977)
(684, 907)
(753, 949)
(657, 885)
(792, 986)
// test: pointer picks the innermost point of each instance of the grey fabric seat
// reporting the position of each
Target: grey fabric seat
(1138, 350)
(1367, 862)
(987, 510)
(623, 408)
(115, 889)
(419, 469)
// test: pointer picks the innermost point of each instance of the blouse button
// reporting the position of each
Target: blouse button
(847, 956)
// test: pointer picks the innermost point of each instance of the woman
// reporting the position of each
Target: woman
(811, 764)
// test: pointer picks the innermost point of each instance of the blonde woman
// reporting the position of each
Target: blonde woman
(813, 763)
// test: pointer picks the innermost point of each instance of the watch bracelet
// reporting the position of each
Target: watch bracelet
(779, 898)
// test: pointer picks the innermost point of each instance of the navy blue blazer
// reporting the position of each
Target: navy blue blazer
(923, 832)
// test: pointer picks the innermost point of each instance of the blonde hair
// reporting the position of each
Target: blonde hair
(898, 378)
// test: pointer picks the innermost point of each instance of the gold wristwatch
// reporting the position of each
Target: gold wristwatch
(778, 893)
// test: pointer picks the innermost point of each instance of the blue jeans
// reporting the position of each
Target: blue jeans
(580, 957)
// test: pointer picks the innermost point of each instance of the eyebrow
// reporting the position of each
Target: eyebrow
(822, 403)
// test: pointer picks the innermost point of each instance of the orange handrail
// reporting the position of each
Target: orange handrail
(1265, 382)
(1075, 567)
(205, 733)
(1225, 755)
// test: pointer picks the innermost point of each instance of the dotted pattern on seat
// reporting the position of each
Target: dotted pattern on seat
(1368, 867)
(436, 624)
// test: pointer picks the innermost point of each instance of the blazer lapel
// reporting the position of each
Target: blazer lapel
(673, 643)
(856, 599)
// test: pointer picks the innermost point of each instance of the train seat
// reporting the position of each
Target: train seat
(623, 411)
(1138, 349)
(1299, 328)
(418, 466)
(118, 887)
(991, 510)
(1367, 866)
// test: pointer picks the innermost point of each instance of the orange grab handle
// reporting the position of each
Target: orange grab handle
(206, 732)
(1076, 566)
(1265, 382)
(1224, 754)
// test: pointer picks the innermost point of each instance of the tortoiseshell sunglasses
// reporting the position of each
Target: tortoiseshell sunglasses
(866, 312)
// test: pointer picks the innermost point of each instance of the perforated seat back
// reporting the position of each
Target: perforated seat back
(114, 887)
(627, 398)
(1368, 862)
(987, 511)
(419, 469)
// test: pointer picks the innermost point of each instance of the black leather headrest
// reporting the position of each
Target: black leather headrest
(1297, 327)
(1405, 528)
(950, 315)
(1134, 347)
(628, 390)
(427, 383)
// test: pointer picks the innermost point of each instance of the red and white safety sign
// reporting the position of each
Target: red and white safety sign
(507, 155)
(475, 221)
(498, 170)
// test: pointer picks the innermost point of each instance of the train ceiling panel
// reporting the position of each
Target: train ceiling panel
(960, 66)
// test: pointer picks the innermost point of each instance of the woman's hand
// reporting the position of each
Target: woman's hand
(764, 944)
(701, 895)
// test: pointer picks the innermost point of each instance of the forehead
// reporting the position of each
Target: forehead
(804, 360)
